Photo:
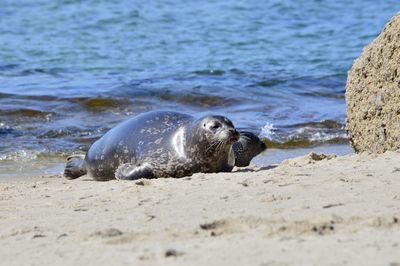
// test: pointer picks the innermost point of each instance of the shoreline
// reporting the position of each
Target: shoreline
(307, 210)
(36, 166)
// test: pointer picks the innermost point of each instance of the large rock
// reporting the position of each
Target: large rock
(373, 94)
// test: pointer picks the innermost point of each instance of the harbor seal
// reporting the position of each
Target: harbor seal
(159, 144)
(246, 148)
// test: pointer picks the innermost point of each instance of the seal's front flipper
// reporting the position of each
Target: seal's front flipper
(129, 171)
(75, 166)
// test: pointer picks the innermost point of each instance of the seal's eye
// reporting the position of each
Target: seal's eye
(215, 126)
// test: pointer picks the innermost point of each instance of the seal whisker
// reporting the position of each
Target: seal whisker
(220, 146)
(213, 144)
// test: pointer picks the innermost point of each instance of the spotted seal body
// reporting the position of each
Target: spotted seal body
(159, 144)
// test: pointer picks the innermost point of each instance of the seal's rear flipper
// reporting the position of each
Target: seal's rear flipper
(129, 171)
(75, 166)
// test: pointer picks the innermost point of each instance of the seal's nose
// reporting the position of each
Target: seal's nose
(234, 133)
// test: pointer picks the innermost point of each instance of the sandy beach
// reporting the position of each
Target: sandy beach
(309, 210)
(292, 73)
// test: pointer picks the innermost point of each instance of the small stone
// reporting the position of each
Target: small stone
(172, 253)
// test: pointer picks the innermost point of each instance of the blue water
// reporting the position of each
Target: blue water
(70, 70)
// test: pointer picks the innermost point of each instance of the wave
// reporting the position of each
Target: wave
(303, 135)
(210, 72)
(98, 103)
(25, 112)
(26, 155)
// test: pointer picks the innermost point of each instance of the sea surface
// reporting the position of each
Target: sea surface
(70, 70)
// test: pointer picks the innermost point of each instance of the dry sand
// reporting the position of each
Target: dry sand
(306, 211)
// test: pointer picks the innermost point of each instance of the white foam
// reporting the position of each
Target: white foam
(323, 136)
(20, 156)
(268, 131)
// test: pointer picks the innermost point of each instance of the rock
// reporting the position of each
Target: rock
(373, 94)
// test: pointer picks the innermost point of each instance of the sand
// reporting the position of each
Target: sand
(309, 210)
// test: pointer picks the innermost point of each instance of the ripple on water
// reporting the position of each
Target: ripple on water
(210, 72)
(9, 131)
(270, 82)
(26, 112)
(198, 100)
(100, 103)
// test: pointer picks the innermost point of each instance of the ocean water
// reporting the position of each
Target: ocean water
(70, 70)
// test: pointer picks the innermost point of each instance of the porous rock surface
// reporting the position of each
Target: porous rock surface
(373, 94)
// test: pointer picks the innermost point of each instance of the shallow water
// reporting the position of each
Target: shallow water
(70, 70)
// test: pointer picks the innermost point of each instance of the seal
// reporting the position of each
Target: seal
(159, 144)
(248, 147)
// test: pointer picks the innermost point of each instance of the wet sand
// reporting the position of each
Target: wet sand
(308, 210)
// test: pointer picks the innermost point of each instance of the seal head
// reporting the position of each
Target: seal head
(210, 143)
(248, 146)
